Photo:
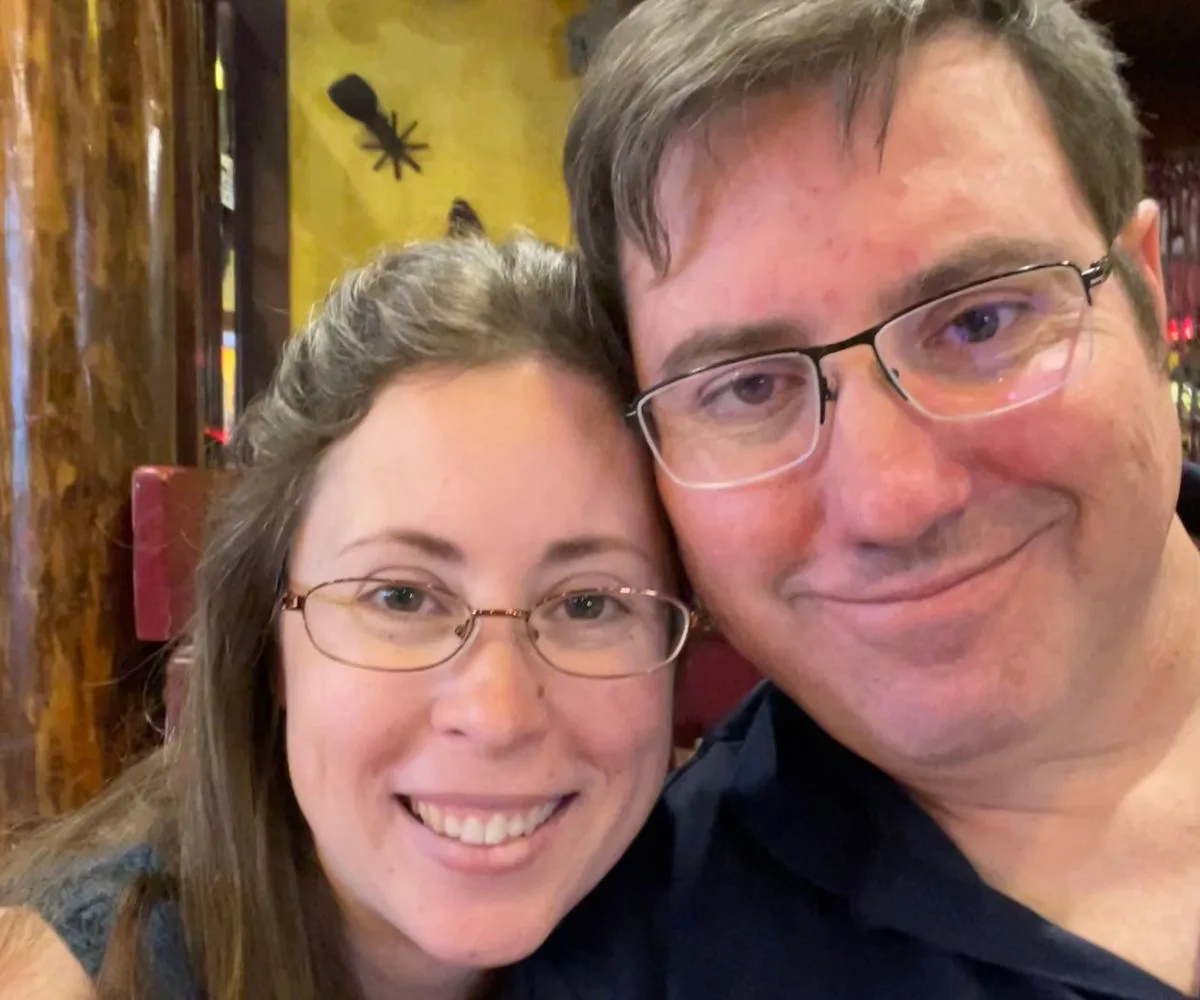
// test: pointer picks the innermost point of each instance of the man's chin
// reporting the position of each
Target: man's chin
(906, 717)
(966, 744)
(916, 738)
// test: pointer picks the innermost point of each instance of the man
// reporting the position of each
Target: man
(896, 311)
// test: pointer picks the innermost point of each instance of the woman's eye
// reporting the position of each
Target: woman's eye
(590, 607)
(585, 607)
(399, 598)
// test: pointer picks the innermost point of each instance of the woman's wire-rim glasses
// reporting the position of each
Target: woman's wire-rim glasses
(683, 623)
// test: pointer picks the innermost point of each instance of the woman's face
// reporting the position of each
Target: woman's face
(501, 486)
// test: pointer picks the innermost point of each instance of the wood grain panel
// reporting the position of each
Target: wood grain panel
(87, 377)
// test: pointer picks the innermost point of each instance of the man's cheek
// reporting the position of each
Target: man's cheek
(743, 530)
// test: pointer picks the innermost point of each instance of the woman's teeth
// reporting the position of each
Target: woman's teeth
(490, 828)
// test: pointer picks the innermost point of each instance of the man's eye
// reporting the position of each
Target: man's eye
(746, 394)
(983, 323)
(753, 390)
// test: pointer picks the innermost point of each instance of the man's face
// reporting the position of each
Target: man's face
(929, 590)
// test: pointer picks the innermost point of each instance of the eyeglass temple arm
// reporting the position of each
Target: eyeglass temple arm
(1097, 274)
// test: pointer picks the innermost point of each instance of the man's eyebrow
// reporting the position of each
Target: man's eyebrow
(978, 260)
(714, 343)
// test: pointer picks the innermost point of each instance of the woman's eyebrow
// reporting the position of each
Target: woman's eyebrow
(568, 550)
(431, 545)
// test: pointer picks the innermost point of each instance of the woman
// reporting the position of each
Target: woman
(431, 700)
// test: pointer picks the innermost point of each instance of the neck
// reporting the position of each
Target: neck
(1120, 770)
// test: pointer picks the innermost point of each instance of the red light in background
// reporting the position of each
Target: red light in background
(1181, 332)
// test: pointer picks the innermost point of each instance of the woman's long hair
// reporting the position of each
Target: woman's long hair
(216, 803)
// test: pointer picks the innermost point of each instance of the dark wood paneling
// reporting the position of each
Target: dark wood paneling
(197, 217)
(262, 218)
(87, 378)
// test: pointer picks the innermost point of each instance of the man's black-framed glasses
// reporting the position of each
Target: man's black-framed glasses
(984, 349)
(404, 626)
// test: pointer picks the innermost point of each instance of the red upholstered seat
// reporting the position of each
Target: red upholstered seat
(169, 506)
(168, 525)
(716, 677)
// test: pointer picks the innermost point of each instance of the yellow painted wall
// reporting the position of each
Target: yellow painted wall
(488, 82)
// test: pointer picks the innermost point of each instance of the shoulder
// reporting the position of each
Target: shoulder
(609, 945)
(698, 789)
(35, 962)
(621, 911)
(80, 902)
(61, 936)
(74, 912)
(632, 892)
(614, 942)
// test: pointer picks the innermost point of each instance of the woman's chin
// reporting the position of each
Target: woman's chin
(485, 947)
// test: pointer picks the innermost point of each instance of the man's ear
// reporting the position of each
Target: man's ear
(1141, 240)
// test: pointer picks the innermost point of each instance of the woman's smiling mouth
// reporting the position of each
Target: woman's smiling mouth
(482, 827)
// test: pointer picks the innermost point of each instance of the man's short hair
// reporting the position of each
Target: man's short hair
(672, 65)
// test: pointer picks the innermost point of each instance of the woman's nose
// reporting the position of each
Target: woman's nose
(494, 691)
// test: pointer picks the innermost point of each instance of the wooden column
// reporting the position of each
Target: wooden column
(87, 376)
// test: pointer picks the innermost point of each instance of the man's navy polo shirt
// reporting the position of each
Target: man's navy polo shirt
(780, 866)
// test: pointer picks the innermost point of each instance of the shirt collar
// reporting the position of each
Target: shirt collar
(805, 798)
(837, 822)
(1189, 498)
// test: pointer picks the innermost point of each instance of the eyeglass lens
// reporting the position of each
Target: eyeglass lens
(388, 625)
(982, 351)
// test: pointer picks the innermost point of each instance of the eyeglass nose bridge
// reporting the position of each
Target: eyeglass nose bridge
(464, 630)
(829, 388)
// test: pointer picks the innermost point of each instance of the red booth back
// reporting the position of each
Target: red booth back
(715, 679)
(169, 505)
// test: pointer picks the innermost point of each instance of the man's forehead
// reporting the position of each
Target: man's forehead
(704, 166)
(706, 162)
(738, 199)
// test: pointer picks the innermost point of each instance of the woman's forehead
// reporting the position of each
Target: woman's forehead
(504, 454)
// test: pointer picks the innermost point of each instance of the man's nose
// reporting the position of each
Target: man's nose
(888, 480)
(493, 692)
